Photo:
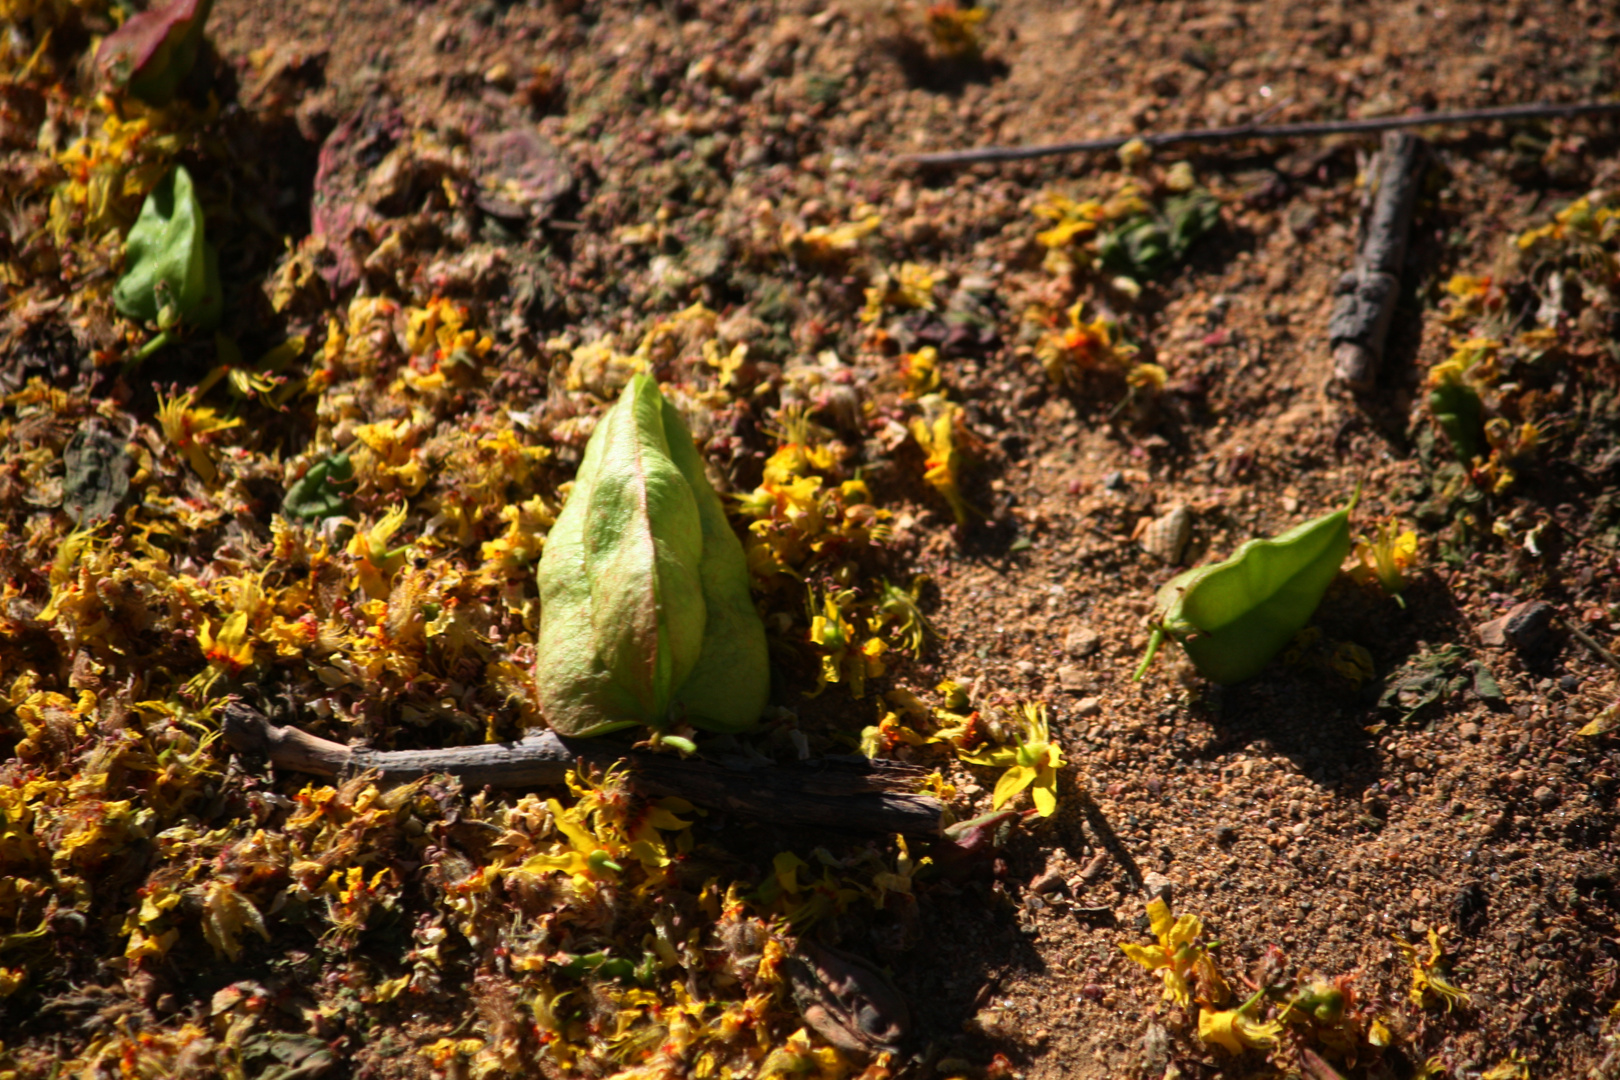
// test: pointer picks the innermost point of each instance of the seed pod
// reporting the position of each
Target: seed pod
(1232, 617)
(646, 616)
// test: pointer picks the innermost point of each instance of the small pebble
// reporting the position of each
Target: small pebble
(1071, 678)
(1545, 797)
(1082, 641)
(1088, 706)
(1114, 481)
(1025, 667)
(1468, 730)
(1225, 834)
(1158, 886)
(1051, 881)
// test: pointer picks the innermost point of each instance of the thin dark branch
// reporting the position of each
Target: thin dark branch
(851, 794)
(1307, 129)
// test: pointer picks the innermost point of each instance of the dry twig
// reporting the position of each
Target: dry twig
(852, 794)
(1307, 129)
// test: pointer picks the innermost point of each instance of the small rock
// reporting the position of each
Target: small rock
(1527, 627)
(1468, 730)
(1225, 834)
(1025, 667)
(1300, 829)
(1158, 886)
(1071, 678)
(1088, 706)
(1049, 882)
(1082, 641)
(1545, 797)
(1166, 536)
(1093, 869)
(1114, 481)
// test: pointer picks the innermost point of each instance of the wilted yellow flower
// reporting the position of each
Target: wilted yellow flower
(189, 429)
(911, 287)
(1513, 1067)
(1072, 219)
(822, 243)
(375, 563)
(921, 371)
(897, 610)
(1031, 762)
(1429, 986)
(954, 30)
(841, 658)
(1177, 953)
(1385, 557)
(1067, 355)
(937, 437)
(1149, 378)
(1236, 1030)
(226, 913)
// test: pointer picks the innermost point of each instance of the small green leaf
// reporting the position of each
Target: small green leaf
(172, 272)
(1232, 617)
(646, 616)
(323, 491)
(1458, 410)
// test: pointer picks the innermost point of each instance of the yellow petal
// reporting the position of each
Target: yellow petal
(1012, 781)
(1045, 797)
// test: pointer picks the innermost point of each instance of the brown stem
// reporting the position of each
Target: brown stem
(853, 794)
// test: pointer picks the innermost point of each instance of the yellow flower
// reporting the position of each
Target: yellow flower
(821, 244)
(1236, 1030)
(937, 437)
(375, 564)
(1514, 1067)
(1176, 954)
(1073, 219)
(921, 371)
(911, 287)
(841, 660)
(1429, 986)
(1032, 762)
(1385, 556)
(954, 29)
(188, 429)
(1067, 355)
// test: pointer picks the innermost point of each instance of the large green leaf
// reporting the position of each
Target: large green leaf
(171, 274)
(645, 611)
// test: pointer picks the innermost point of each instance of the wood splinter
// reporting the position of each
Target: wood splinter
(851, 794)
(1366, 295)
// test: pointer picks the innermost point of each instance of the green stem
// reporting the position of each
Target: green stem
(1154, 641)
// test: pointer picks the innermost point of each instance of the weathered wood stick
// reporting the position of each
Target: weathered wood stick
(1366, 294)
(852, 794)
(1310, 128)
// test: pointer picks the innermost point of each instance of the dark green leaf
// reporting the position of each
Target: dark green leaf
(323, 491)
